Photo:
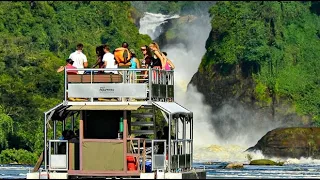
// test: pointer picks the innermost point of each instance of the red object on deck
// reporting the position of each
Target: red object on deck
(131, 163)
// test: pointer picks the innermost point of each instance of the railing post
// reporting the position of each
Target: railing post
(45, 141)
(150, 83)
(65, 84)
(91, 79)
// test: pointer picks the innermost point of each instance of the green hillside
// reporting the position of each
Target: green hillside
(36, 39)
(275, 43)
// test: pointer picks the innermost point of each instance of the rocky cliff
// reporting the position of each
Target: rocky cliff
(231, 85)
(290, 142)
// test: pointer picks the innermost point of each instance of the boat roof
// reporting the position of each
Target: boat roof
(62, 111)
(173, 108)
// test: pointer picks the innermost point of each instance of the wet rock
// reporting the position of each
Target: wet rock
(265, 162)
(293, 142)
(234, 166)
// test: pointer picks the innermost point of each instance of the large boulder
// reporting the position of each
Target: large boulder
(295, 142)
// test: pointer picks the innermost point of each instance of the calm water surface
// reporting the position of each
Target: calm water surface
(214, 171)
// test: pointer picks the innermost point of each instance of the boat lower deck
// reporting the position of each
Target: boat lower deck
(192, 174)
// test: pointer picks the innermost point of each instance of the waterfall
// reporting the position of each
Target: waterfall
(186, 61)
(238, 124)
(151, 24)
(207, 145)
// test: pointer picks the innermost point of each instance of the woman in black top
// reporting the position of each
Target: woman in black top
(157, 62)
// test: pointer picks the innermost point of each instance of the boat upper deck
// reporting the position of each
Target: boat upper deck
(120, 86)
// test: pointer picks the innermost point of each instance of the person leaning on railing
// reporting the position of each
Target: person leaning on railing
(146, 61)
(69, 65)
(168, 63)
(135, 64)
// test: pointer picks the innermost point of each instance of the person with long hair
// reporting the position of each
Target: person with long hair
(169, 65)
(157, 62)
(99, 62)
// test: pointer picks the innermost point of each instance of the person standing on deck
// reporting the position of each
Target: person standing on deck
(69, 65)
(135, 64)
(80, 59)
(169, 65)
(99, 52)
(108, 60)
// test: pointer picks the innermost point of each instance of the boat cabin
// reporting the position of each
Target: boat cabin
(117, 115)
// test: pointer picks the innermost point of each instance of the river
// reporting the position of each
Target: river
(214, 171)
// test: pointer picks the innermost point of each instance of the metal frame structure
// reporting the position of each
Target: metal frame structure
(159, 94)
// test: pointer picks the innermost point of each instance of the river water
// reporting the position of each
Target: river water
(214, 171)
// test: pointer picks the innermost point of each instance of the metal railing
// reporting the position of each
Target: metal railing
(181, 154)
(158, 159)
(58, 160)
(136, 151)
(120, 84)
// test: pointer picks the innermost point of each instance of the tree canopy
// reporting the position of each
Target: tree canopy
(36, 39)
(277, 43)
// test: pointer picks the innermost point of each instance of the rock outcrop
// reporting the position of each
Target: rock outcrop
(234, 166)
(295, 142)
(265, 162)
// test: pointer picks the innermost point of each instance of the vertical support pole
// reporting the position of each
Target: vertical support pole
(55, 136)
(125, 133)
(91, 80)
(81, 132)
(172, 84)
(64, 125)
(65, 85)
(169, 144)
(184, 140)
(144, 156)
(191, 134)
(45, 141)
(72, 122)
(176, 144)
(150, 83)
(154, 121)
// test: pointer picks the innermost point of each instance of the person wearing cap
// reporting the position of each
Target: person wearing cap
(69, 65)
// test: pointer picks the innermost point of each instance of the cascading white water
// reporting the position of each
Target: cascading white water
(186, 63)
(151, 24)
(207, 146)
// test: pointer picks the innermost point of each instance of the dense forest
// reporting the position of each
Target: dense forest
(36, 39)
(277, 44)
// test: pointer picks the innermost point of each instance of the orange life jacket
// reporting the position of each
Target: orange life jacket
(122, 55)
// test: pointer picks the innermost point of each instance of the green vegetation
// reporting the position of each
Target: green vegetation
(36, 39)
(277, 43)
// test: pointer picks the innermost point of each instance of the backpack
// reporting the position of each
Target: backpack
(122, 55)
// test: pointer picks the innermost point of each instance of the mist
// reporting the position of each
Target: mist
(186, 59)
(220, 133)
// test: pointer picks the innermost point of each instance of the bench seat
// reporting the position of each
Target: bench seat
(96, 78)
